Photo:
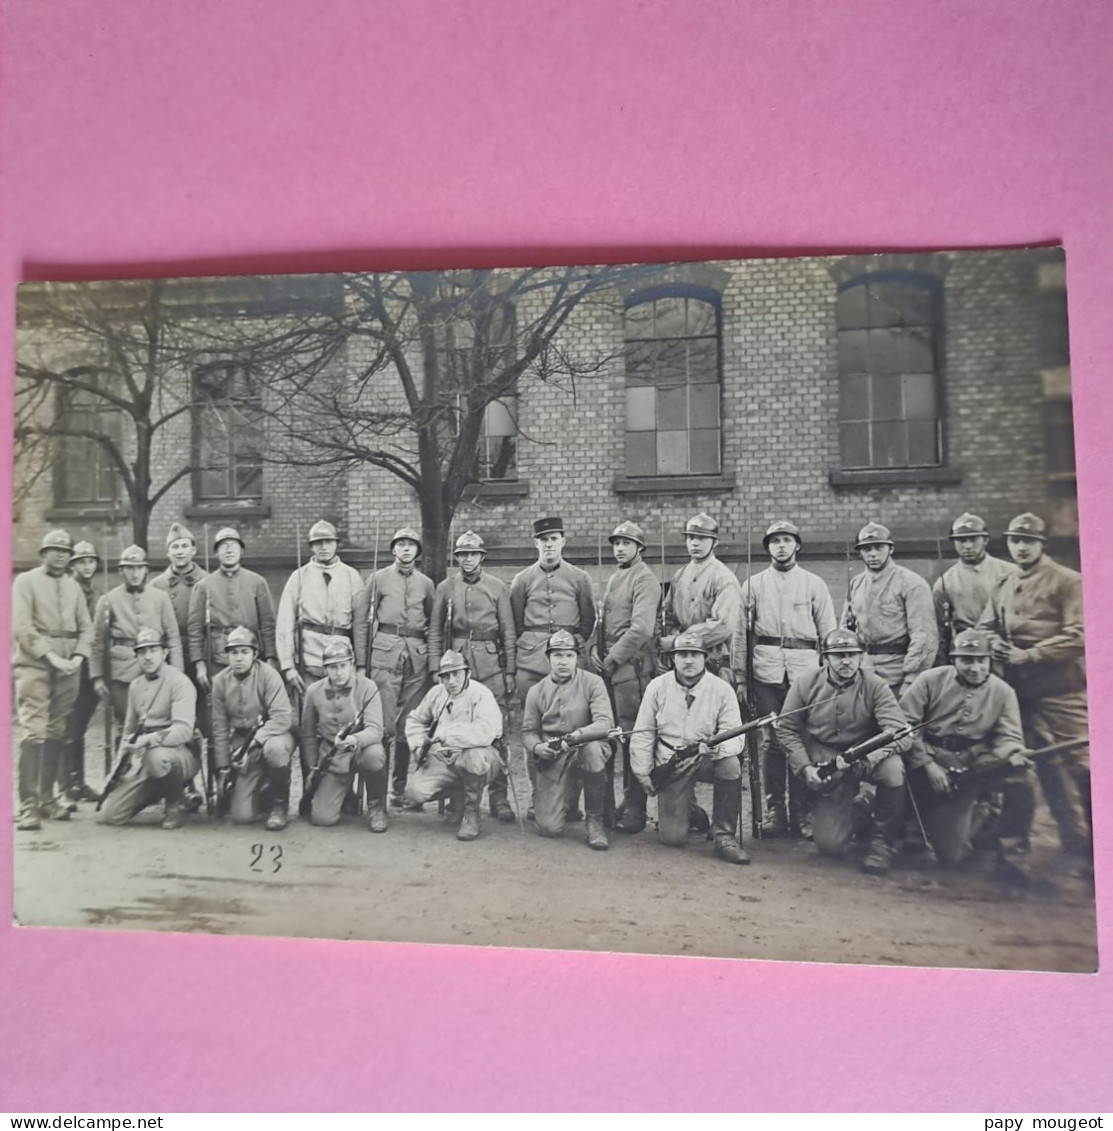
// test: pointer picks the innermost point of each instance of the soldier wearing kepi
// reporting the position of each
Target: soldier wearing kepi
(890, 609)
(624, 649)
(565, 723)
(472, 615)
(393, 613)
(844, 704)
(71, 774)
(52, 635)
(686, 706)
(789, 611)
(971, 741)
(342, 732)
(119, 616)
(161, 712)
(1035, 618)
(454, 729)
(252, 734)
(960, 595)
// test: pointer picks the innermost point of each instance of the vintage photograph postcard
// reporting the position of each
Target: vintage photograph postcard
(718, 609)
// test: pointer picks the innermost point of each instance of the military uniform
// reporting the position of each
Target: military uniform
(49, 619)
(892, 613)
(179, 588)
(71, 774)
(577, 710)
(1039, 610)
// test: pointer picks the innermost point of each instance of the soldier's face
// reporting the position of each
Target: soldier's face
(151, 659)
(1024, 551)
(180, 552)
(85, 568)
(453, 682)
(549, 547)
(405, 550)
(699, 546)
(229, 552)
(469, 561)
(625, 550)
(876, 555)
(240, 659)
(340, 673)
(134, 575)
(972, 549)
(56, 561)
(972, 670)
(689, 666)
(844, 665)
(324, 550)
(562, 663)
(782, 548)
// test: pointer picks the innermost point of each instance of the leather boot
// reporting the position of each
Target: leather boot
(632, 818)
(497, 804)
(50, 806)
(278, 787)
(28, 817)
(726, 802)
(30, 772)
(473, 795)
(401, 771)
(595, 786)
(172, 818)
(376, 800)
(776, 819)
(879, 858)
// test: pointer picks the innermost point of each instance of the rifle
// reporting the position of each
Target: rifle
(109, 713)
(851, 619)
(554, 744)
(867, 746)
(324, 761)
(973, 775)
(948, 608)
(208, 778)
(123, 764)
(236, 765)
(749, 611)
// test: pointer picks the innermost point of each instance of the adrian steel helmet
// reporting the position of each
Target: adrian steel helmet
(630, 531)
(968, 525)
(134, 556)
(689, 642)
(85, 550)
(241, 637)
(873, 534)
(469, 543)
(451, 662)
(561, 641)
(783, 527)
(228, 534)
(1027, 525)
(406, 532)
(703, 526)
(841, 640)
(971, 642)
(337, 651)
(322, 532)
(56, 540)
(147, 638)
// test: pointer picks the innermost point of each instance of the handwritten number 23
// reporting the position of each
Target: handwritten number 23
(257, 853)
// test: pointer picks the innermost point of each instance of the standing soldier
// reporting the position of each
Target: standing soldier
(252, 734)
(961, 593)
(788, 611)
(685, 708)
(119, 616)
(71, 775)
(161, 713)
(890, 610)
(344, 712)
(393, 611)
(1035, 615)
(826, 712)
(624, 651)
(565, 723)
(52, 634)
(455, 728)
(471, 615)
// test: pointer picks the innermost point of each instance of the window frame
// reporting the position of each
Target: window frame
(66, 470)
(200, 407)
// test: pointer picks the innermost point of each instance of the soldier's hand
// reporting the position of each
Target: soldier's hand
(510, 686)
(811, 778)
(702, 748)
(1014, 655)
(938, 778)
(594, 663)
(646, 784)
(201, 674)
(294, 681)
(346, 745)
(100, 686)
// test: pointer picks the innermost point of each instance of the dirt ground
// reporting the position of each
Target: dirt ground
(418, 883)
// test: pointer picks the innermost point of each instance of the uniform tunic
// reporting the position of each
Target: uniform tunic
(481, 628)
(960, 595)
(235, 598)
(628, 620)
(893, 613)
(237, 704)
(544, 598)
(706, 598)
(179, 588)
(321, 600)
(122, 613)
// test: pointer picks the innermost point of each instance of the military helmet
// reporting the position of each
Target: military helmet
(228, 534)
(783, 527)
(241, 637)
(56, 540)
(134, 556)
(689, 642)
(1027, 525)
(968, 525)
(85, 550)
(702, 526)
(561, 641)
(406, 532)
(873, 534)
(322, 532)
(469, 543)
(337, 651)
(176, 531)
(841, 640)
(147, 638)
(543, 526)
(971, 642)
(451, 662)
(630, 531)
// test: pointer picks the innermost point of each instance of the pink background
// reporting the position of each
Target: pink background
(247, 135)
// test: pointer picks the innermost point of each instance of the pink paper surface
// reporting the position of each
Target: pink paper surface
(243, 135)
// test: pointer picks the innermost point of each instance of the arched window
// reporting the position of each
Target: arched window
(85, 474)
(672, 384)
(890, 410)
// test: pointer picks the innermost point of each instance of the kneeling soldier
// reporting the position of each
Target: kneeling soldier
(343, 713)
(972, 741)
(455, 727)
(683, 709)
(565, 723)
(828, 711)
(158, 727)
(252, 733)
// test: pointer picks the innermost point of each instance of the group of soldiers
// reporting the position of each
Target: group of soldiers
(922, 712)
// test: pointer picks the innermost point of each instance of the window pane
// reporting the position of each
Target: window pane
(919, 396)
(672, 453)
(701, 317)
(499, 420)
(249, 480)
(213, 483)
(703, 360)
(639, 320)
(923, 444)
(917, 352)
(641, 409)
(1059, 432)
(885, 351)
(917, 303)
(889, 445)
(639, 362)
(854, 397)
(887, 403)
(854, 445)
(499, 458)
(641, 453)
(851, 311)
(853, 351)
(705, 451)
(671, 320)
(704, 406)
(670, 362)
(886, 307)
(672, 408)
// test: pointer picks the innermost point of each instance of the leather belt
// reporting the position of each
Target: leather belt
(61, 635)
(481, 636)
(123, 639)
(551, 628)
(401, 630)
(329, 629)
(890, 647)
(955, 743)
(787, 642)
